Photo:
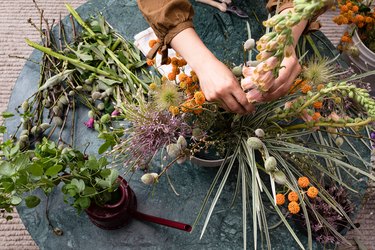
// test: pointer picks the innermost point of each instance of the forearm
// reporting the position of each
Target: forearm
(298, 29)
(188, 44)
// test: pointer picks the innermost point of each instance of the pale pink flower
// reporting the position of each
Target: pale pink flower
(254, 95)
(288, 105)
(247, 71)
(334, 116)
(247, 83)
(271, 63)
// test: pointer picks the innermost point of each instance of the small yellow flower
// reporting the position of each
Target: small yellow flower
(174, 110)
(293, 207)
(293, 196)
(312, 192)
(153, 86)
(280, 199)
(303, 182)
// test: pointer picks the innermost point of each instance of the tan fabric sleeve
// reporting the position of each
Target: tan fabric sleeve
(167, 18)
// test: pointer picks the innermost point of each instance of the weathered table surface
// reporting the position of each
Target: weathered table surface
(224, 35)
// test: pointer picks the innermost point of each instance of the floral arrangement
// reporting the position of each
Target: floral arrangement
(283, 154)
(360, 17)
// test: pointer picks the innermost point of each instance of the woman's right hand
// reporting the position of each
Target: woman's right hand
(217, 82)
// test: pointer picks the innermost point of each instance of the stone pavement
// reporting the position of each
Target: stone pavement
(14, 28)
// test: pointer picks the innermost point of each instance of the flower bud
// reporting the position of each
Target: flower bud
(57, 120)
(270, 164)
(249, 44)
(25, 106)
(63, 100)
(105, 118)
(339, 141)
(259, 132)
(100, 106)
(96, 95)
(149, 178)
(44, 126)
(254, 143)
(181, 142)
(237, 71)
(173, 150)
(280, 177)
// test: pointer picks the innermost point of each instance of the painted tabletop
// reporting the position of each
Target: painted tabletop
(224, 34)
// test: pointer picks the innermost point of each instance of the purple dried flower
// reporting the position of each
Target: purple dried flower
(115, 113)
(152, 131)
(318, 206)
(90, 123)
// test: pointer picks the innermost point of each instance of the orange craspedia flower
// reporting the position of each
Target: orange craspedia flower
(344, 8)
(345, 39)
(188, 81)
(150, 62)
(306, 88)
(318, 105)
(368, 19)
(355, 8)
(174, 110)
(303, 182)
(188, 106)
(199, 97)
(293, 207)
(152, 42)
(182, 62)
(171, 76)
(182, 77)
(280, 199)
(168, 61)
(320, 87)
(198, 110)
(176, 70)
(293, 196)
(316, 116)
(312, 192)
(359, 18)
(174, 61)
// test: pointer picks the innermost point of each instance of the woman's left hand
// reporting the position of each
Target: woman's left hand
(290, 69)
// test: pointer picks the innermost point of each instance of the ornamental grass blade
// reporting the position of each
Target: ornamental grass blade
(244, 202)
(217, 195)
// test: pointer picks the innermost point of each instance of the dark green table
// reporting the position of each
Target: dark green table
(224, 34)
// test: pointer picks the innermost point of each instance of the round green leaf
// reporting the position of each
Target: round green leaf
(32, 201)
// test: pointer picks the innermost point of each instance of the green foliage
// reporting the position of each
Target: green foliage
(46, 166)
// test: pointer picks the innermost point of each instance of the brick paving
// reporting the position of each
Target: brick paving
(14, 28)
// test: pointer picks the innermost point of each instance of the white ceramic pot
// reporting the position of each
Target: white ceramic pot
(364, 62)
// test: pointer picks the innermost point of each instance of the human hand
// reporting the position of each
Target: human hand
(290, 69)
(219, 84)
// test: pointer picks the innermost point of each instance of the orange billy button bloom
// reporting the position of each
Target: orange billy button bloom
(303, 182)
(171, 76)
(312, 192)
(151, 43)
(293, 196)
(280, 199)
(316, 116)
(320, 86)
(199, 97)
(318, 105)
(182, 77)
(306, 88)
(293, 207)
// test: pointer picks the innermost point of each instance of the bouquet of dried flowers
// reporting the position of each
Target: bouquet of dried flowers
(360, 17)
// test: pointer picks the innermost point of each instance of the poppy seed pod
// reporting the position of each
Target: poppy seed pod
(149, 178)
(280, 177)
(254, 143)
(249, 44)
(259, 132)
(270, 164)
